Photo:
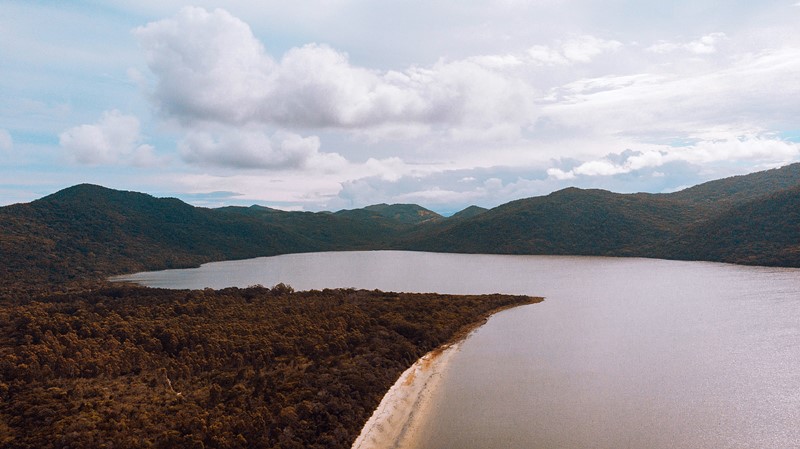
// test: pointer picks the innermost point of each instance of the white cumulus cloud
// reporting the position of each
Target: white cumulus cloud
(115, 138)
(210, 67)
(246, 149)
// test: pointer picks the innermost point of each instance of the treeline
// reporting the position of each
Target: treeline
(236, 368)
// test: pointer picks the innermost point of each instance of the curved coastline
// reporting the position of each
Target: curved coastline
(395, 423)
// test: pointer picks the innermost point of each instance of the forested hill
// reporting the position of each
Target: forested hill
(89, 232)
(764, 231)
(570, 221)
(750, 219)
(727, 192)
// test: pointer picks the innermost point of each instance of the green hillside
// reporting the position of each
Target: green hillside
(394, 215)
(763, 231)
(89, 232)
(468, 212)
(570, 221)
(359, 229)
(743, 219)
(405, 213)
(723, 193)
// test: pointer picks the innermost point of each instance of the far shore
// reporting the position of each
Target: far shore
(396, 422)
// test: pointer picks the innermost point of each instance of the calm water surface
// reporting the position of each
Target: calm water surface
(624, 353)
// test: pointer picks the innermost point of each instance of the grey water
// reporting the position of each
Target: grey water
(623, 353)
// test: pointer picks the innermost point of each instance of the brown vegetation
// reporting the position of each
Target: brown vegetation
(137, 367)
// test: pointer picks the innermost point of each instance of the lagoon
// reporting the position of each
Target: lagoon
(624, 352)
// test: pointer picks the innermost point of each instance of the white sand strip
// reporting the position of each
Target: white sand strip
(393, 424)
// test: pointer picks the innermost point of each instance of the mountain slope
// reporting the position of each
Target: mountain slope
(468, 212)
(570, 221)
(763, 231)
(690, 224)
(396, 215)
(716, 196)
(358, 230)
(89, 231)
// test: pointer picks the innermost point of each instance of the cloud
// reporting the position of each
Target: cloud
(319, 87)
(576, 99)
(446, 191)
(248, 149)
(210, 67)
(559, 174)
(704, 45)
(581, 49)
(585, 48)
(315, 188)
(752, 93)
(114, 139)
(6, 142)
(424, 191)
(762, 150)
(497, 61)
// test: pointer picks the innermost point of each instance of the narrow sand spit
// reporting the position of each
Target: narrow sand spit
(403, 408)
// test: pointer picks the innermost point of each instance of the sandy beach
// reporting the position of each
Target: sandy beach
(395, 422)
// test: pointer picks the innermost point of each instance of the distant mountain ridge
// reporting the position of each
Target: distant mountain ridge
(725, 192)
(469, 212)
(404, 213)
(569, 221)
(89, 232)
(750, 219)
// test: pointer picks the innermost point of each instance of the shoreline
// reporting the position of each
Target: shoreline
(393, 423)
(396, 421)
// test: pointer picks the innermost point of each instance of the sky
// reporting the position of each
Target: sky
(338, 104)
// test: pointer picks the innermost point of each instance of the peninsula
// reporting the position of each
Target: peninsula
(254, 367)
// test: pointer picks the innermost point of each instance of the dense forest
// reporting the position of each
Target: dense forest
(135, 367)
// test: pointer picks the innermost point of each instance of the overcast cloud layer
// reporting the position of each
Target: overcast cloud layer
(329, 105)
